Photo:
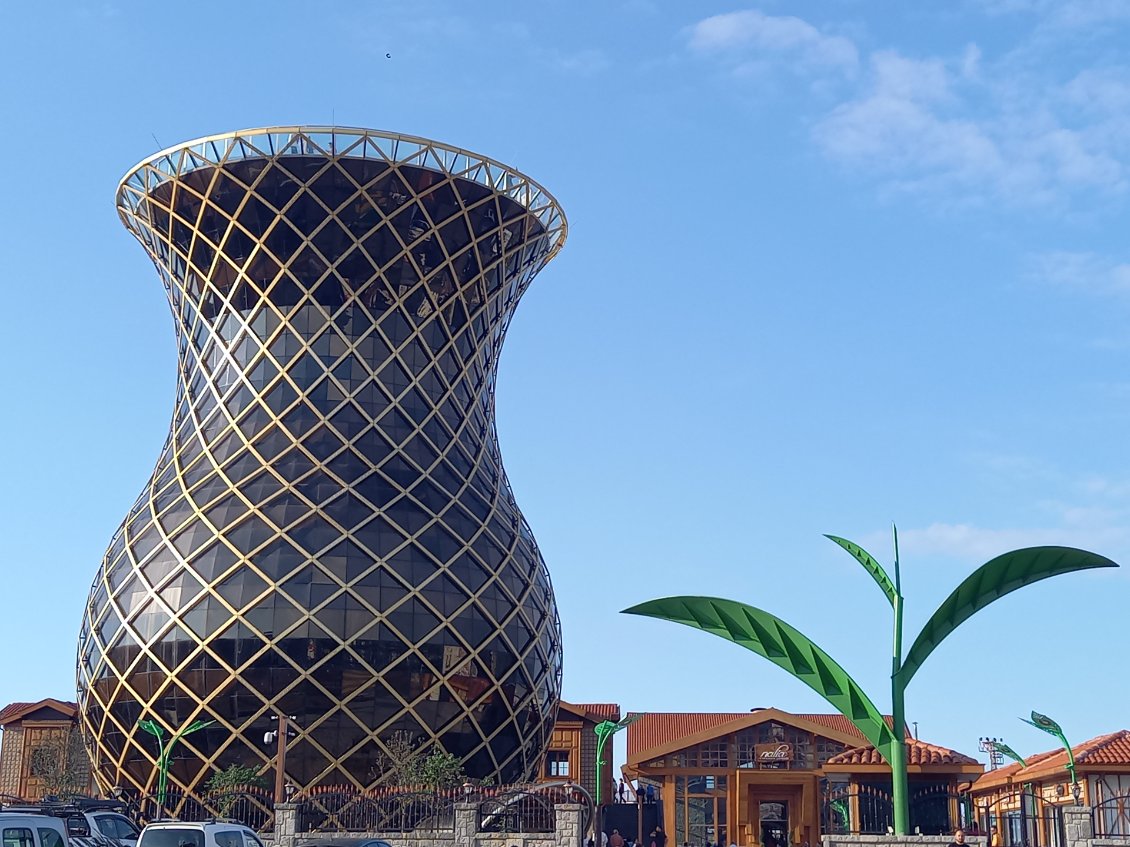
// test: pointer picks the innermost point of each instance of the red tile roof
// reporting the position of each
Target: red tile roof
(594, 711)
(604, 711)
(1110, 749)
(917, 753)
(659, 729)
(14, 711)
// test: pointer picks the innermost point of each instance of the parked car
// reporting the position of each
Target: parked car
(197, 834)
(25, 828)
(106, 822)
(28, 829)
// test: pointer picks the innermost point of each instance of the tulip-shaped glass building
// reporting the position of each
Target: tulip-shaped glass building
(329, 532)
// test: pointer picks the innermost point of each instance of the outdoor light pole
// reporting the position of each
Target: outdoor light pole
(280, 755)
(165, 752)
(604, 731)
(1052, 728)
(785, 646)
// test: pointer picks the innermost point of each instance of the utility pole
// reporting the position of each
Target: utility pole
(280, 734)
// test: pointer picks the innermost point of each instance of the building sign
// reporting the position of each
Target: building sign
(776, 755)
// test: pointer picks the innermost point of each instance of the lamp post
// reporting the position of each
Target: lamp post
(1052, 728)
(604, 731)
(280, 734)
(165, 752)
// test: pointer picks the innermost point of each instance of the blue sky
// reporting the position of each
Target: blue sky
(831, 265)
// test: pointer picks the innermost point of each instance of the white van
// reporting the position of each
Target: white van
(25, 830)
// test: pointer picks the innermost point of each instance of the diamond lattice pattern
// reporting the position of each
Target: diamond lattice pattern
(329, 531)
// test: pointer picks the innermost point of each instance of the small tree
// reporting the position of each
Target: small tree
(402, 760)
(60, 763)
(227, 782)
(236, 776)
(407, 766)
(443, 770)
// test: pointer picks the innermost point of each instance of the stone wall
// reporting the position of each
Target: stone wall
(899, 840)
(465, 833)
(1077, 826)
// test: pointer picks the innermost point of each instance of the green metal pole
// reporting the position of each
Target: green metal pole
(899, 787)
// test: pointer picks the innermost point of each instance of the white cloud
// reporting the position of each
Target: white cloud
(966, 541)
(901, 122)
(755, 36)
(930, 124)
(585, 62)
(1014, 128)
(1061, 14)
(1083, 271)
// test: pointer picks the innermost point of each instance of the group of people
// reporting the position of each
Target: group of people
(658, 838)
(624, 793)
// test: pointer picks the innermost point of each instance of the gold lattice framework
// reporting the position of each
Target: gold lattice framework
(329, 531)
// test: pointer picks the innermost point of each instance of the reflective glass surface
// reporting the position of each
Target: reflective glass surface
(329, 531)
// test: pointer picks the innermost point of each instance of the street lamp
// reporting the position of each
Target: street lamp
(1052, 728)
(165, 753)
(604, 731)
(281, 734)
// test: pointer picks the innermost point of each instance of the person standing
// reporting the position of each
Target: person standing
(616, 839)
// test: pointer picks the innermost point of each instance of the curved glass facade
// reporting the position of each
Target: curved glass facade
(329, 532)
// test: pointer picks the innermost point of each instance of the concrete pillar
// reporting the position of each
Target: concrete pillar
(1077, 826)
(568, 817)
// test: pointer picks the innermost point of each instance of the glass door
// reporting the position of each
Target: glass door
(773, 816)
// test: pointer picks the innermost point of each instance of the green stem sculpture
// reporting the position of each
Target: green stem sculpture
(769, 636)
(165, 753)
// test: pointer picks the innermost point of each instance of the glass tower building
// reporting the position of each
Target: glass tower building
(329, 532)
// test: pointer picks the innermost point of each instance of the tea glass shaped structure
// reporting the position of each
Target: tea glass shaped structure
(329, 532)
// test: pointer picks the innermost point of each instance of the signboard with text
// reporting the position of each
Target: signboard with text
(777, 754)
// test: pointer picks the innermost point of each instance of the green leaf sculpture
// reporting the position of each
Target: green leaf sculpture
(994, 579)
(869, 564)
(769, 636)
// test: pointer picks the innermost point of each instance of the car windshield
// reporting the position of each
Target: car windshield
(170, 837)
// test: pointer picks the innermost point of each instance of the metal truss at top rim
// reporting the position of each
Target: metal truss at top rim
(338, 142)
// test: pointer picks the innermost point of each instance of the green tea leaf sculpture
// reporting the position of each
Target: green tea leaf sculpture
(769, 636)
(994, 579)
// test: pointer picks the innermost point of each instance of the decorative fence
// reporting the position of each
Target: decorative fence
(868, 810)
(346, 809)
(1111, 818)
(1022, 819)
(502, 809)
(250, 806)
(856, 810)
(518, 810)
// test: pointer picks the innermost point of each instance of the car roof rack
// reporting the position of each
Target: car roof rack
(60, 809)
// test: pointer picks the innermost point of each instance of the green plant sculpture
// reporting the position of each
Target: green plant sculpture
(771, 637)
(604, 731)
(165, 751)
(1052, 728)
